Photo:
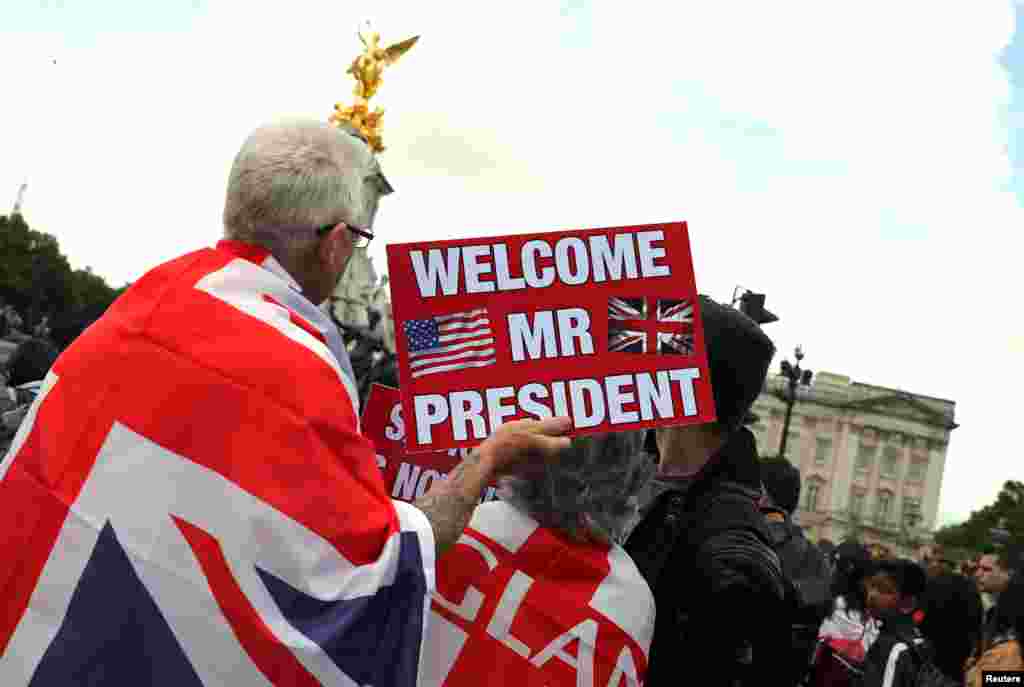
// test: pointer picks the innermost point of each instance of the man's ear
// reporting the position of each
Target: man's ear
(328, 248)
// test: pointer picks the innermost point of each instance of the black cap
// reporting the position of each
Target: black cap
(909, 576)
(739, 354)
(781, 479)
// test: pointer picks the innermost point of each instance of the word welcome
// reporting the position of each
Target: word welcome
(617, 399)
(571, 260)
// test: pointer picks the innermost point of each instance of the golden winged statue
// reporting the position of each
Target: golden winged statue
(367, 69)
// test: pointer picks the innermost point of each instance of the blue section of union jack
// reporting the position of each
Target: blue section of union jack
(650, 325)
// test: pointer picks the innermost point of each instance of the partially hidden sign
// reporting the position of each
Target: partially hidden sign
(406, 477)
(602, 325)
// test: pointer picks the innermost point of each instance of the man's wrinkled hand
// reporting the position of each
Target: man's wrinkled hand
(517, 446)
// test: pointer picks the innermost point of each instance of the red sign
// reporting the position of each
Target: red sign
(405, 478)
(601, 325)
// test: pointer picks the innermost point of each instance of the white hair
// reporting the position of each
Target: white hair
(292, 177)
(594, 487)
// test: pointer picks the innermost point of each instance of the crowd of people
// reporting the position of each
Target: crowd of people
(630, 558)
(20, 377)
(894, 618)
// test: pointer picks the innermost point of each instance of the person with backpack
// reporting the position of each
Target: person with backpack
(702, 543)
(900, 657)
(804, 568)
(847, 634)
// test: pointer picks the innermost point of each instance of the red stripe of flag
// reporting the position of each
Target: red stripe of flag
(268, 654)
(469, 348)
(270, 434)
(445, 318)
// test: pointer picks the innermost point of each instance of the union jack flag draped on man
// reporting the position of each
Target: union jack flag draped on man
(189, 501)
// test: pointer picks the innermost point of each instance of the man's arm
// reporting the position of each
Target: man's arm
(449, 503)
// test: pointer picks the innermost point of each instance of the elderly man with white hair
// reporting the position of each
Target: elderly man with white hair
(538, 590)
(190, 501)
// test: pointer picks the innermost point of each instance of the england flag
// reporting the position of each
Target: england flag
(189, 501)
(521, 605)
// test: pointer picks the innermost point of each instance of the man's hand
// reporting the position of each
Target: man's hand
(513, 448)
(524, 445)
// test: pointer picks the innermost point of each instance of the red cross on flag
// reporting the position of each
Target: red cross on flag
(650, 325)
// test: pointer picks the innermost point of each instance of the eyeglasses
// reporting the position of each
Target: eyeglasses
(362, 237)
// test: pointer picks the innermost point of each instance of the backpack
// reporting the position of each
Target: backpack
(928, 674)
(808, 596)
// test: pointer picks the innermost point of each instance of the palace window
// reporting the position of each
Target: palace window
(891, 462)
(857, 503)
(792, 444)
(865, 458)
(811, 495)
(911, 511)
(823, 450)
(883, 507)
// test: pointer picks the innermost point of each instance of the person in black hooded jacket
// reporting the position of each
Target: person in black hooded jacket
(702, 543)
(803, 564)
(801, 560)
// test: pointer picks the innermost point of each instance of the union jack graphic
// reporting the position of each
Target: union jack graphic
(650, 325)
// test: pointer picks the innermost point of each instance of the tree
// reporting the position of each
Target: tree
(975, 533)
(37, 280)
(90, 298)
(34, 275)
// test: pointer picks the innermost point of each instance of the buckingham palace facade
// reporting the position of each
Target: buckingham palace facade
(871, 458)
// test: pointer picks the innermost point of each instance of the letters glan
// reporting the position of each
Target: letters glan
(519, 605)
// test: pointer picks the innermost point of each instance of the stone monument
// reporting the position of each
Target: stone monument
(360, 294)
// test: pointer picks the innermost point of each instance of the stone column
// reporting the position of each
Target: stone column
(933, 481)
(842, 476)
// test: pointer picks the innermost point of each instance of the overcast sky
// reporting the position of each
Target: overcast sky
(854, 161)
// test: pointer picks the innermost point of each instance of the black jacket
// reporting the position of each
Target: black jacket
(892, 647)
(705, 551)
(805, 566)
(800, 558)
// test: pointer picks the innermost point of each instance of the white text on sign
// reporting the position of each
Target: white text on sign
(587, 635)
(539, 338)
(589, 402)
(572, 260)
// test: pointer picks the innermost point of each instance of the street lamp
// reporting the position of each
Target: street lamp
(752, 305)
(795, 379)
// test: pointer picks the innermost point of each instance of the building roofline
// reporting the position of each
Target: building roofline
(865, 385)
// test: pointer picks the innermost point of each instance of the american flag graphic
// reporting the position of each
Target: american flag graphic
(444, 343)
(650, 325)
